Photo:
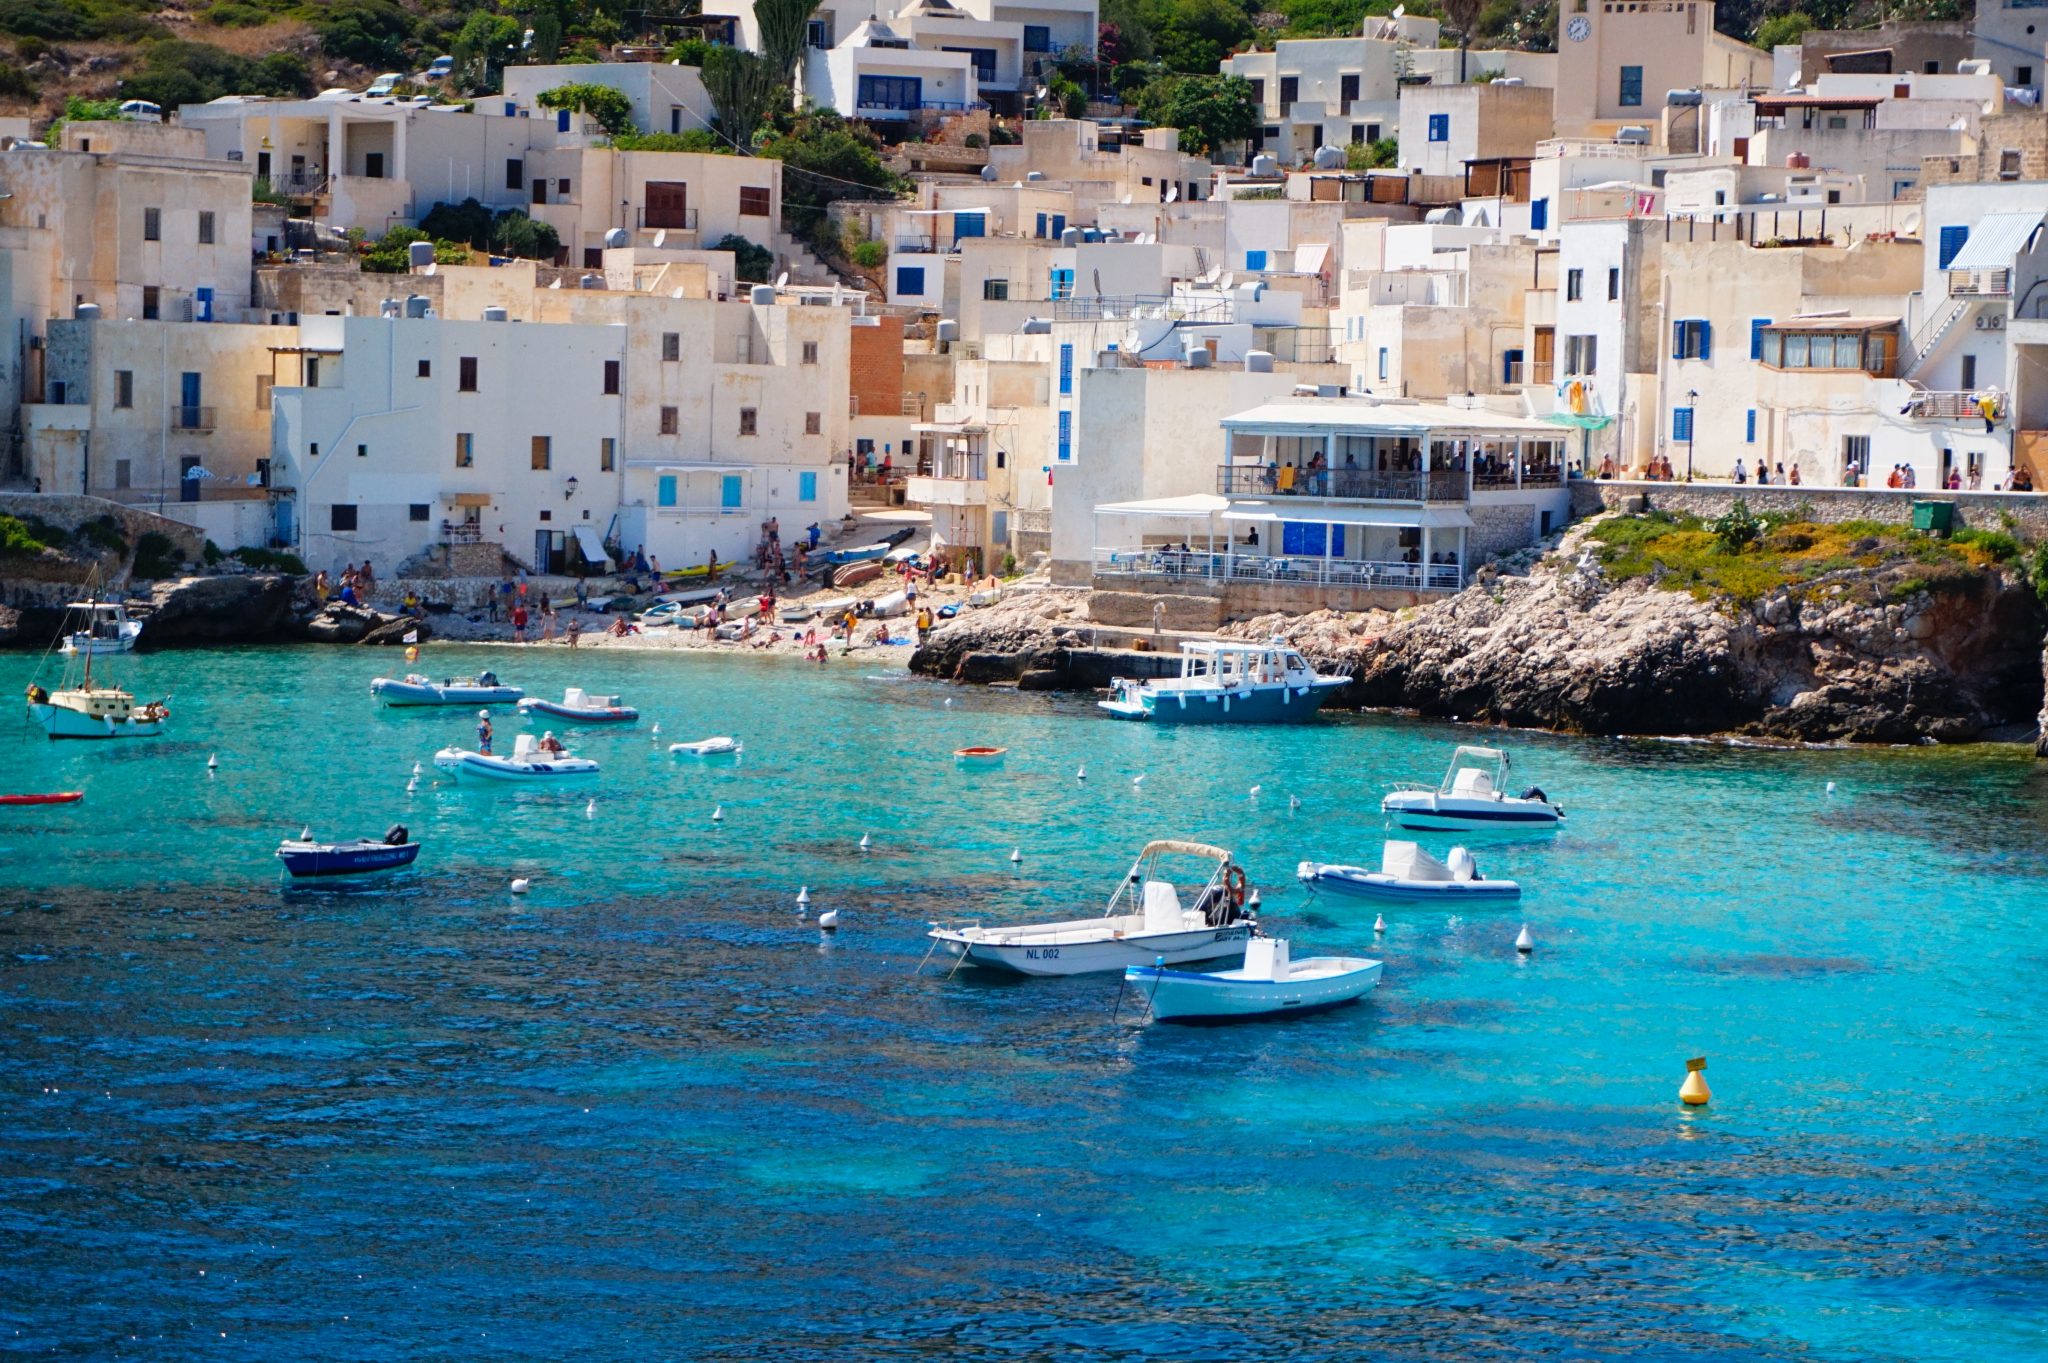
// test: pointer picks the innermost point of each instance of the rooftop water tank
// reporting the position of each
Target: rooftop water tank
(1682, 99)
(949, 330)
(1036, 326)
(495, 314)
(618, 237)
(1070, 237)
(1034, 175)
(1798, 160)
(1330, 158)
(419, 254)
(1258, 362)
(762, 295)
(590, 281)
(416, 305)
(988, 173)
(1198, 357)
(1265, 166)
(88, 312)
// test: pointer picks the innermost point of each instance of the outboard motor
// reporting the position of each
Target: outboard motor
(487, 679)
(1535, 793)
(396, 836)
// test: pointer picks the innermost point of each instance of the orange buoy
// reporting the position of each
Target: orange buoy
(1694, 1092)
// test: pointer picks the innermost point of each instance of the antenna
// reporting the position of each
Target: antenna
(782, 279)
(660, 239)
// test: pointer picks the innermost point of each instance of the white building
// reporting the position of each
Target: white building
(667, 97)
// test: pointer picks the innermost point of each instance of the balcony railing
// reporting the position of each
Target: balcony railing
(1292, 569)
(192, 418)
(1531, 371)
(1257, 480)
(969, 467)
(1929, 405)
(1980, 284)
(653, 219)
(1501, 480)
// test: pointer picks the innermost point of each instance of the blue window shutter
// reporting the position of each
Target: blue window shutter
(1681, 423)
(1041, 224)
(1706, 339)
(1066, 369)
(969, 225)
(665, 490)
(1439, 127)
(1952, 239)
(1539, 215)
(729, 494)
(1255, 260)
(1678, 340)
(1059, 223)
(1756, 336)
(807, 487)
(910, 279)
(1066, 436)
(1750, 429)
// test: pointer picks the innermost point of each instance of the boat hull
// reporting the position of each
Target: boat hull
(489, 767)
(1430, 813)
(308, 861)
(853, 574)
(1254, 705)
(78, 644)
(1355, 883)
(1186, 996)
(59, 797)
(616, 714)
(1094, 956)
(60, 722)
(404, 694)
(707, 747)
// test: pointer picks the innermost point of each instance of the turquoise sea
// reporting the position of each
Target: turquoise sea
(648, 1112)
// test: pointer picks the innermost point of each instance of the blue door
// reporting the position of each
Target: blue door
(188, 401)
(807, 487)
(665, 490)
(284, 521)
(1308, 539)
(729, 492)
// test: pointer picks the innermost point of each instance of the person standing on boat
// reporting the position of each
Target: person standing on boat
(483, 732)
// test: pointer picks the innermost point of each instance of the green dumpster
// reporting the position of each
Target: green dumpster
(1936, 518)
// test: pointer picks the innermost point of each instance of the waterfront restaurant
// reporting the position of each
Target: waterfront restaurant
(1348, 491)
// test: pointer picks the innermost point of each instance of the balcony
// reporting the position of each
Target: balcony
(671, 219)
(1931, 405)
(192, 419)
(1374, 485)
(957, 466)
(1530, 371)
(1980, 284)
(1301, 570)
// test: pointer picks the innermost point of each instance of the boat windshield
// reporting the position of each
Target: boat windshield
(1197, 871)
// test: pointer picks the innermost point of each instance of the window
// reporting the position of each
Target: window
(900, 93)
(1581, 354)
(730, 492)
(562, 188)
(1749, 427)
(1383, 364)
(2008, 165)
(665, 490)
(1066, 368)
(1290, 91)
(309, 372)
(1574, 285)
(362, 451)
(152, 303)
(465, 377)
(1874, 352)
(124, 388)
(547, 515)
(1952, 239)
(995, 290)
(206, 227)
(668, 421)
(753, 201)
(814, 423)
(1038, 38)
(1613, 284)
(465, 450)
(810, 352)
(1539, 209)
(1681, 423)
(543, 452)
(1061, 283)
(1969, 372)
(426, 370)
(607, 455)
(1692, 339)
(611, 378)
(341, 518)
(910, 280)
(2023, 76)
(807, 487)
(1631, 87)
(668, 204)
(515, 173)
(671, 347)
(152, 224)
(416, 511)
(1856, 454)
(1439, 127)
(1066, 449)
(124, 472)
(746, 421)
(1756, 336)
(1347, 90)
(1358, 134)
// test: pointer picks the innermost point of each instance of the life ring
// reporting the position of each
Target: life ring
(1233, 887)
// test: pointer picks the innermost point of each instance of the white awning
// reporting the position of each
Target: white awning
(1309, 259)
(1407, 517)
(1995, 240)
(1194, 504)
(591, 545)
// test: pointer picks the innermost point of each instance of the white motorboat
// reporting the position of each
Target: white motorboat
(1146, 921)
(893, 604)
(415, 689)
(1473, 796)
(1224, 682)
(86, 706)
(1407, 873)
(720, 746)
(1268, 983)
(104, 627)
(581, 707)
(528, 762)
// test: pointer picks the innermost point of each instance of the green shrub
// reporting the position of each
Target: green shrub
(270, 560)
(211, 554)
(104, 532)
(18, 539)
(1995, 545)
(18, 85)
(870, 255)
(1736, 529)
(233, 14)
(696, 139)
(751, 264)
(154, 557)
(974, 141)
(2037, 570)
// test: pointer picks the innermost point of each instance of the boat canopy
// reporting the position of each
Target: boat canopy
(1193, 849)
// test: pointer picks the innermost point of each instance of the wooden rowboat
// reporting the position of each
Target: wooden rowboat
(979, 756)
(853, 574)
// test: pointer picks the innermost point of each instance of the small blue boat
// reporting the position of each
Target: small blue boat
(1224, 682)
(309, 860)
(413, 690)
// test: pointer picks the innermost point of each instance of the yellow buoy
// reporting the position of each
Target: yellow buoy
(1694, 1092)
(412, 653)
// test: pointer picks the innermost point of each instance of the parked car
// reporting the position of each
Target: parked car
(440, 68)
(141, 110)
(384, 85)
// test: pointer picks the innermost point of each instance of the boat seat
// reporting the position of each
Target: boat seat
(1407, 861)
(525, 748)
(1161, 907)
(573, 698)
(1472, 781)
(1265, 958)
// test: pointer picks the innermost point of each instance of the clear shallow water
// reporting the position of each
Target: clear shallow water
(645, 1111)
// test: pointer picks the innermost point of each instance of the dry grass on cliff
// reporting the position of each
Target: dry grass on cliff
(1747, 558)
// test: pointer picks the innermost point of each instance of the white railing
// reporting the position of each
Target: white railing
(1292, 569)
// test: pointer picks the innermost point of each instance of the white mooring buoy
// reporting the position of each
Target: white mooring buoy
(1256, 790)
(829, 920)
(1016, 854)
(1082, 774)
(1379, 924)
(212, 761)
(1524, 943)
(803, 898)
(520, 885)
(865, 842)
(718, 814)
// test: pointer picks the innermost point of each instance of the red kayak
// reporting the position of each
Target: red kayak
(61, 797)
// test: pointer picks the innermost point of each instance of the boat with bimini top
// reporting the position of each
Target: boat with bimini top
(1472, 797)
(1226, 682)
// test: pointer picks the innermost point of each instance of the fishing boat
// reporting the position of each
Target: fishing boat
(528, 762)
(416, 690)
(582, 707)
(306, 859)
(1409, 874)
(1224, 682)
(104, 628)
(1146, 921)
(862, 553)
(979, 756)
(853, 574)
(707, 747)
(1473, 796)
(1267, 984)
(55, 797)
(86, 706)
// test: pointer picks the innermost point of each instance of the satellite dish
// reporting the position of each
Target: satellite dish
(1172, 193)
(661, 238)
(1228, 280)
(431, 268)
(1400, 12)
(782, 279)
(555, 284)
(678, 293)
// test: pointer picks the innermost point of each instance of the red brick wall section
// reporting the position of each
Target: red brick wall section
(877, 368)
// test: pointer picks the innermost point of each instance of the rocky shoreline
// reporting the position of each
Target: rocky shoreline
(1874, 655)
(246, 608)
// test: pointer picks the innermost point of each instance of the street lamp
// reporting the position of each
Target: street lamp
(569, 488)
(1692, 415)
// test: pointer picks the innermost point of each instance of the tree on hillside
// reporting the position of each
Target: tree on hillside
(751, 263)
(744, 93)
(784, 25)
(825, 159)
(1463, 16)
(1193, 37)
(1210, 111)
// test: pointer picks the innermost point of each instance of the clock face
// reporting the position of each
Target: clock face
(1579, 29)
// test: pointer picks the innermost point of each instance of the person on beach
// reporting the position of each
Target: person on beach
(321, 588)
(711, 566)
(483, 731)
(547, 619)
(574, 631)
(582, 595)
(621, 627)
(924, 624)
(519, 623)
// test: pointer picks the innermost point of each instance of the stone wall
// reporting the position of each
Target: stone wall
(1496, 530)
(1195, 605)
(71, 511)
(2028, 512)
